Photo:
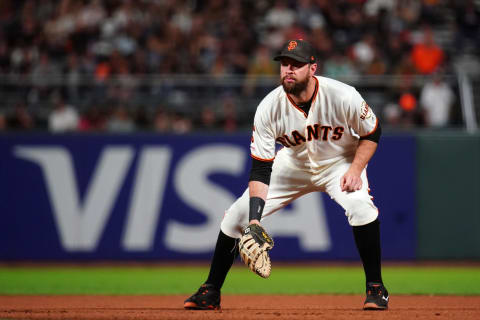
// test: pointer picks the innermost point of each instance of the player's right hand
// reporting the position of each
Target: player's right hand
(350, 182)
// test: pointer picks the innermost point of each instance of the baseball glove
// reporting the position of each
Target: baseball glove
(254, 246)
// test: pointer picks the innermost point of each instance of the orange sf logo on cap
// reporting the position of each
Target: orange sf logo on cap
(292, 45)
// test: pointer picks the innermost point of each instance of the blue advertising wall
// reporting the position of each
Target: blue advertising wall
(155, 197)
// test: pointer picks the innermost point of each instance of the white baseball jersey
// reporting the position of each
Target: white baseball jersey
(318, 150)
(338, 117)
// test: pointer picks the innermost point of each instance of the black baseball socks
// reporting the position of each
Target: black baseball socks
(226, 252)
(367, 239)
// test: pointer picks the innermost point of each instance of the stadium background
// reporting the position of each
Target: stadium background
(134, 96)
(124, 136)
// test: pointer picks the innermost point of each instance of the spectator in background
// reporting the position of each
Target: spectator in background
(92, 120)
(276, 22)
(355, 26)
(373, 7)
(338, 65)
(431, 12)
(73, 74)
(309, 15)
(3, 122)
(394, 50)
(405, 68)
(162, 121)
(208, 120)
(43, 72)
(260, 65)
(100, 49)
(21, 119)
(141, 117)
(229, 116)
(378, 65)
(392, 114)
(120, 121)
(322, 42)
(427, 56)
(436, 100)
(363, 52)
(280, 15)
(4, 56)
(409, 11)
(408, 103)
(64, 117)
(468, 22)
(181, 124)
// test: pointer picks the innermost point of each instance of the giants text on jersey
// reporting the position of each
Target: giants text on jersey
(338, 117)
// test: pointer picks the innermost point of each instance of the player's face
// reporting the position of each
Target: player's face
(294, 75)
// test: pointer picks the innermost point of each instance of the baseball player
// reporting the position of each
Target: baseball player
(328, 133)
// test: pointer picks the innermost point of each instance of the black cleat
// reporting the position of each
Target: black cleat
(377, 297)
(206, 298)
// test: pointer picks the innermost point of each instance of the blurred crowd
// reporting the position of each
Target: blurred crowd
(77, 63)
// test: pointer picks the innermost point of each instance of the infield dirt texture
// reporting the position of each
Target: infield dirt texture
(236, 307)
(312, 292)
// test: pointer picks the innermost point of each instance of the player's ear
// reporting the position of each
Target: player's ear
(313, 68)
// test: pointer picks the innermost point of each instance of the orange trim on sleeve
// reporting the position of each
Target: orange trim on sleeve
(374, 129)
(260, 159)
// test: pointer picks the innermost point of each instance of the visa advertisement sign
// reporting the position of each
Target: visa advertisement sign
(156, 197)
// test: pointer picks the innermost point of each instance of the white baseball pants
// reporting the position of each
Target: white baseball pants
(288, 183)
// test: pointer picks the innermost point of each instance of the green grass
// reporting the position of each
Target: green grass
(185, 280)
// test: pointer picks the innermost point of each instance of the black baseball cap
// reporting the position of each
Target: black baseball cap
(299, 50)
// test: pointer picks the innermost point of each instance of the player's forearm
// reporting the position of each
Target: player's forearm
(364, 153)
(258, 194)
(258, 189)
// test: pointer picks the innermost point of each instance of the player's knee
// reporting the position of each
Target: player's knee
(231, 228)
(236, 217)
(361, 212)
(234, 220)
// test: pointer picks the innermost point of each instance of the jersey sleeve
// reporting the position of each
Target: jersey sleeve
(262, 146)
(361, 117)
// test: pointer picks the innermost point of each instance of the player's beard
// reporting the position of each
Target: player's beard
(296, 87)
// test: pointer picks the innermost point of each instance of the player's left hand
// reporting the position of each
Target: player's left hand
(351, 181)
(254, 246)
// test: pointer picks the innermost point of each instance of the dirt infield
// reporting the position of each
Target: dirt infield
(336, 307)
